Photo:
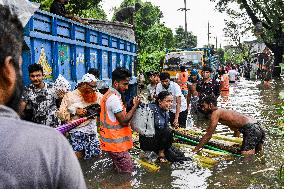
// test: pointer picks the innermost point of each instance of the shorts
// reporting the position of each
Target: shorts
(253, 136)
(86, 142)
(181, 120)
(122, 161)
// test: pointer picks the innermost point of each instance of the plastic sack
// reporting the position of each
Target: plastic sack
(24, 9)
(61, 84)
(143, 121)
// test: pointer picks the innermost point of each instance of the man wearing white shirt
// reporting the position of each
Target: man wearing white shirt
(233, 74)
(178, 112)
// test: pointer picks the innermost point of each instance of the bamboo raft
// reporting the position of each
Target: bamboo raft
(214, 136)
(223, 143)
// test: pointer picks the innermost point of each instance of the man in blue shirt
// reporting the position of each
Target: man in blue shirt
(32, 156)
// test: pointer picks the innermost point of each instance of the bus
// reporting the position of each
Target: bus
(193, 58)
(189, 59)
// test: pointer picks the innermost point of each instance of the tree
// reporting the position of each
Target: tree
(152, 36)
(265, 18)
(183, 40)
(233, 55)
(97, 13)
(221, 53)
(235, 31)
(157, 38)
(150, 61)
(82, 8)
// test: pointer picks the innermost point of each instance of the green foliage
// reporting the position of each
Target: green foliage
(182, 42)
(266, 14)
(44, 4)
(152, 36)
(147, 16)
(158, 37)
(221, 53)
(127, 3)
(82, 8)
(280, 108)
(233, 55)
(150, 61)
(97, 13)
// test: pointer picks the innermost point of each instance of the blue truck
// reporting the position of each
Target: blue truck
(69, 48)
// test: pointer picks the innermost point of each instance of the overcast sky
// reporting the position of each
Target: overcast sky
(201, 12)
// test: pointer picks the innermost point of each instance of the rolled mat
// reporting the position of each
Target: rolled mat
(69, 126)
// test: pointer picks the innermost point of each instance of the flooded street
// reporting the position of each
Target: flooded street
(247, 97)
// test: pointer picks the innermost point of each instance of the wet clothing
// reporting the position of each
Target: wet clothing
(122, 161)
(116, 139)
(58, 8)
(84, 137)
(208, 88)
(34, 156)
(253, 136)
(181, 119)
(163, 137)
(175, 90)
(41, 103)
(114, 136)
(86, 142)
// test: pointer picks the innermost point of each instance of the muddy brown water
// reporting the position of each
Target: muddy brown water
(247, 97)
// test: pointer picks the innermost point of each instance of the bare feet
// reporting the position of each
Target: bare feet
(162, 160)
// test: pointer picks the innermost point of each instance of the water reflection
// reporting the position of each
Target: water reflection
(248, 97)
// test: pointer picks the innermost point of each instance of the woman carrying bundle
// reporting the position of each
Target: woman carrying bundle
(162, 140)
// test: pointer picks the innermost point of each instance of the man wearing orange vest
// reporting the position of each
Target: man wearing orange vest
(225, 81)
(182, 79)
(115, 131)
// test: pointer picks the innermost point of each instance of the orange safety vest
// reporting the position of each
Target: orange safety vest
(225, 82)
(113, 136)
(182, 80)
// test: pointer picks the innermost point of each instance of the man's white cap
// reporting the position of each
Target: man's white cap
(88, 78)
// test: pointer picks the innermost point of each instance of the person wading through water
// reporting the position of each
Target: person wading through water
(115, 130)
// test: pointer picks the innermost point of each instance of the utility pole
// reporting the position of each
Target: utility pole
(216, 43)
(208, 34)
(185, 17)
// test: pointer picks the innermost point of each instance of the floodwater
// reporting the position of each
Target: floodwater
(247, 97)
